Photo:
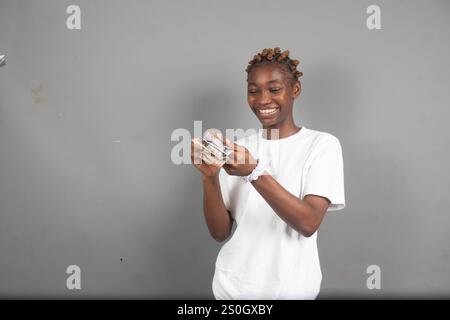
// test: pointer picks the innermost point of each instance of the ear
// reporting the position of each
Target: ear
(296, 90)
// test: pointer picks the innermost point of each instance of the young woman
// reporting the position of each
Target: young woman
(277, 197)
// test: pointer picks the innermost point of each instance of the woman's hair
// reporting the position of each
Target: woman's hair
(269, 55)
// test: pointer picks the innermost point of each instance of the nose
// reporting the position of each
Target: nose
(264, 98)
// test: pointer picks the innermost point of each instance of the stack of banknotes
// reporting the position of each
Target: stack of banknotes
(213, 149)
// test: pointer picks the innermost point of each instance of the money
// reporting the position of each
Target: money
(213, 141)
(214, 151)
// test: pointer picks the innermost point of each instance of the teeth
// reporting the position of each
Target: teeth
(267, 111)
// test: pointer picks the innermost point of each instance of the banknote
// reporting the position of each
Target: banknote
(213, 140)
(212, 147)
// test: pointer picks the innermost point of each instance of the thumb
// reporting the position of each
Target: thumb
(228, 142)
(233, 146)
(225, 140)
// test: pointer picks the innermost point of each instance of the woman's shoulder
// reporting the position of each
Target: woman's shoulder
(319, 136)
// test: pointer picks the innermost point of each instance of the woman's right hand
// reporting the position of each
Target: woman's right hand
(211, 168)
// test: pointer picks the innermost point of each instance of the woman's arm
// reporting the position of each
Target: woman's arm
(304, 215)
(218, 219)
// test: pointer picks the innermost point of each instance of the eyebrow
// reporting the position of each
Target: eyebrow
(271, 81)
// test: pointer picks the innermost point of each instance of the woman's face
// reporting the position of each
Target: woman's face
(271, 95)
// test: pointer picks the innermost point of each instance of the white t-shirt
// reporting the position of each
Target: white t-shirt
(265, 258)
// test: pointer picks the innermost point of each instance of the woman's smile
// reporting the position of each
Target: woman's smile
(268, 112)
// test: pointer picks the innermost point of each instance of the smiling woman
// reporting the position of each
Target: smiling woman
(273, 86)
(292, 176)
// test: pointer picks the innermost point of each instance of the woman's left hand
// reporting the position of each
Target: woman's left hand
(241, 161)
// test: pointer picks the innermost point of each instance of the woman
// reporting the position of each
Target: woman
(277, 197)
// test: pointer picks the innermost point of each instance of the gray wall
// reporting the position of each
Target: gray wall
(71, 193)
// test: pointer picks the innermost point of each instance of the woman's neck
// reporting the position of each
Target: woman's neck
(281, 131)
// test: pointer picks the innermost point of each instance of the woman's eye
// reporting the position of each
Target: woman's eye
(274, 89)
(251, 91)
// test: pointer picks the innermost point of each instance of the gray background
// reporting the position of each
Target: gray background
(71, 193)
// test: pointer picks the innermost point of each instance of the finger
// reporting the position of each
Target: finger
(200, 148)
(225, 141)
(239, 155)
(233, 147)
(198, 160)
(195, 145)
(196, 151)
(218, 135)
(228, 169)
(235, 157)
(210, 160)
(228, 142)
(197, 142)
(229, 160)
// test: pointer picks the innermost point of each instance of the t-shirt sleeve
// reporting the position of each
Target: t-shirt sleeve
(224, 188)
(325, 176)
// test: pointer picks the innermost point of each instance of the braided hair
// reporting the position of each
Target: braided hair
(269, 55)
